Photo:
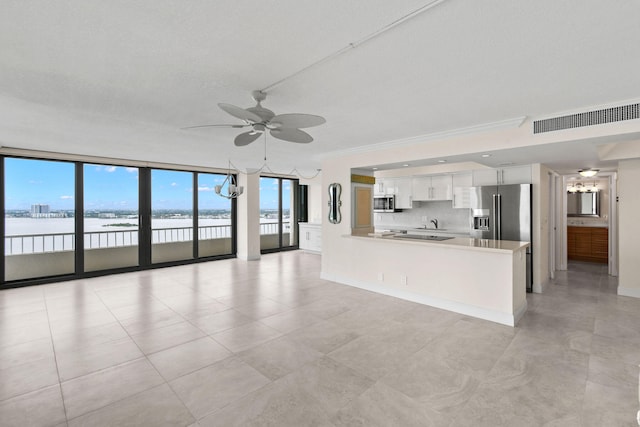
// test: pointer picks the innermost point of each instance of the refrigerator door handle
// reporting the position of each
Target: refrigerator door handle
(494, 226)
(499, 215)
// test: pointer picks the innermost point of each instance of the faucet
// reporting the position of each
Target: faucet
(435, 222)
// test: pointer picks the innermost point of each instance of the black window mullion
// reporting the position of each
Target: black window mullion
(79, 217)
(196, 214)
(144, 215)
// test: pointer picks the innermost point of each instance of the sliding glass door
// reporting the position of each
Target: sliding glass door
(39, 218)
(215, 214)
(278, 227)
(171, 215)
(76, 219)
(111, 217)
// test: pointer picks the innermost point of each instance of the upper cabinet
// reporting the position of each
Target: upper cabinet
(403, 193)
(504, 176)
(384, 187)
(434, 187)
(462, 183)
(398, 187)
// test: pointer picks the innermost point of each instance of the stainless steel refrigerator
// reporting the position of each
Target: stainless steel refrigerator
(503, 212)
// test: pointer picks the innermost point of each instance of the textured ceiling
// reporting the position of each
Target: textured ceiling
(120, 78)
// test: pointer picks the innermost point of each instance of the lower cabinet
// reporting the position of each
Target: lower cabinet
(588, 244)
(310, 237)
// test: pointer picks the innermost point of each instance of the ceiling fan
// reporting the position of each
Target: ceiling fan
(259, 119)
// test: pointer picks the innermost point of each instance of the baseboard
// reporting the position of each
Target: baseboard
(629, 292)
(249, 258)
(457, 307)
(538, 288)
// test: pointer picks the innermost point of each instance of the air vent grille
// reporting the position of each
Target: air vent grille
(590, 118)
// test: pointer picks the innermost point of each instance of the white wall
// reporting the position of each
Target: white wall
(629, 225)
(540, 232)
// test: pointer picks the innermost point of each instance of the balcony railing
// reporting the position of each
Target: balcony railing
(54, 242)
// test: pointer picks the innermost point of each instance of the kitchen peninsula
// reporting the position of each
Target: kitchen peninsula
(477, 277)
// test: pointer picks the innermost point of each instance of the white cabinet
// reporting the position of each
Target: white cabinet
(403, 193)
(384, 186)
(512, 175)
(462, 183)
(516, 175)
(310, 237)
(432, 187)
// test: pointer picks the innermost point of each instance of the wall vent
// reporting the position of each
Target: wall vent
(590, 118)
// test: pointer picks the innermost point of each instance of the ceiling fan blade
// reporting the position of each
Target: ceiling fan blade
(240, 113)
(297, 120)
(215, 126)
(246, 138)
(292, 135)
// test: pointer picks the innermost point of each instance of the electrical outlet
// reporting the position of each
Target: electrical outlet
(403, 279)
(380, 277)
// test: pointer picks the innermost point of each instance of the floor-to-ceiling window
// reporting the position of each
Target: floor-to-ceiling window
(39, 221)
(215, 228)
(111, 217)
(70, 218)
(171, 215)
(278, 226)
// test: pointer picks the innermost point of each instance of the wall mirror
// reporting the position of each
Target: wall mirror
(583, 204)
(335, 190)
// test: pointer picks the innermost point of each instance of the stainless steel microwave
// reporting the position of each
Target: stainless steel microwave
(384, 203)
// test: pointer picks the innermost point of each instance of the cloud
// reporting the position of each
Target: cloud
(174, 184)
(66, 197)
(131, 170)
(111, 168)
(205, 188)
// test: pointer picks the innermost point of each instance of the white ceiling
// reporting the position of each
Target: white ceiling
(120, 78)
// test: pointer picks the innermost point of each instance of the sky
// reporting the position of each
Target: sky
(108, 188)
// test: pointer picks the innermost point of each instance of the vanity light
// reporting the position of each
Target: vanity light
(588, 173)
(572, 188)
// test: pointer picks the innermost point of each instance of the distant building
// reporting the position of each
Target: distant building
(44, 211)
(106, 215)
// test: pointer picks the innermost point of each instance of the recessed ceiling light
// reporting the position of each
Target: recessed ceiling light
(375, 169)
(486, 155)
(442, 161)
(406, 165)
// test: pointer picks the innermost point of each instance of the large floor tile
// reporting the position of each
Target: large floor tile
(279, 357)
(94, 391)
(324, 336)
(169, 336)
(20, 378)
(185, 358)
(38, 409)
(221, 321)
(246, 336)
(211, 388)
(76, 362)
(156, 407)
(382, 406)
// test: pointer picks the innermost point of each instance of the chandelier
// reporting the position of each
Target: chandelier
(232, 187)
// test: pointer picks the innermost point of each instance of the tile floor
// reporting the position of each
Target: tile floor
(268, 343)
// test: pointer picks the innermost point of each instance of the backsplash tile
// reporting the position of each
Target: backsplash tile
(448, 217)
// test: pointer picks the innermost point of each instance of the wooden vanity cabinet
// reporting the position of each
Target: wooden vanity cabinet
(588, 244)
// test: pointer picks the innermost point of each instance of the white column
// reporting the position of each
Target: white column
(249, 218)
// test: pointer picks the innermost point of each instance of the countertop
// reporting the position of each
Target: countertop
(456, 242)
(593, 225)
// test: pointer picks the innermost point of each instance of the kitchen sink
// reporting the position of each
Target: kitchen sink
(422, 237)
